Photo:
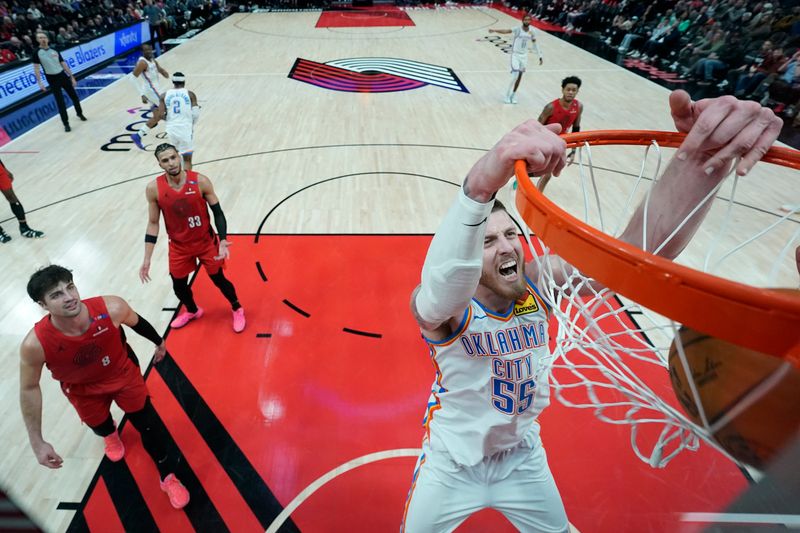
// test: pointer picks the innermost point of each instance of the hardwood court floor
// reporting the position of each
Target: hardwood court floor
(286, 157)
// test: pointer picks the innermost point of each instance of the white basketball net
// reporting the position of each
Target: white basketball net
(608, 349)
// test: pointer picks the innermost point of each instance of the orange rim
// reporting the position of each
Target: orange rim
(760, 319)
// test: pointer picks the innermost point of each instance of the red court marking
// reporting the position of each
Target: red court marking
(219, 487)
(146, 476)
(364, 17)
(100, 513)
(312, 397)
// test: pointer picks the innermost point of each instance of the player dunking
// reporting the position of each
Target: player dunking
(184, 198)
(522, 38)
(83, 344)
(178, 106)
(486, 326)
(7, 189)
(567, 112)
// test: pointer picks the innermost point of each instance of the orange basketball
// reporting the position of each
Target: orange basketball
(760, 393)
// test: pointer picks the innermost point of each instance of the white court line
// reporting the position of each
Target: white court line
(791, 520)
(336, 472)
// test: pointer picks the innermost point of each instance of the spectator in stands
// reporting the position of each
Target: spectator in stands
(7, 29)
(726, 57)
(34, 12)
(749, 83)
(91, 30)
(6, 55)
(70, 34)
(784, 86)
(16, 46)
(155, 16)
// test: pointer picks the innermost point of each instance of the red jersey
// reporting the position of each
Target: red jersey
(185, 212)
(97, 355)
(565, 117)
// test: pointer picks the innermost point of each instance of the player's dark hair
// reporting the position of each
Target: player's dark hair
(571, 79)
(163, 147)
(45, 279)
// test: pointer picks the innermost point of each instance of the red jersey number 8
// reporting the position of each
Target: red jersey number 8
(195, 222)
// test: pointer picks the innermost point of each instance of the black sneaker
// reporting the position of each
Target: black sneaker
(82, 118)
(4, 237)
(31, 233)
(67, 128)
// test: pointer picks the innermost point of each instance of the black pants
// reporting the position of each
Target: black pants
(62, 81)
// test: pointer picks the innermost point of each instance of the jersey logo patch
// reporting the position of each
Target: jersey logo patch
(530, 305)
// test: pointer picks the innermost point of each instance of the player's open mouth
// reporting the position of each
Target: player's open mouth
(71, 306)
(508, 270)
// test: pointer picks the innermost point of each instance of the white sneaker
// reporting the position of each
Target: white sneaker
(513, 98)
(507, 100)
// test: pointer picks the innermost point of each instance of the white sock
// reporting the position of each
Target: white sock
(143, 130)
(511, 90)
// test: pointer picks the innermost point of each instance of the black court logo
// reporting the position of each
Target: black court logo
(503, 44)
(374, 75)
(123, 142)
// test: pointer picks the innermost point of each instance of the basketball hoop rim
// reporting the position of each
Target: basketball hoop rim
(716, 306)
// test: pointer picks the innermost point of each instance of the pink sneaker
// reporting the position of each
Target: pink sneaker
(178, 495)
(186, 317)
(238, 320)
(115, 450)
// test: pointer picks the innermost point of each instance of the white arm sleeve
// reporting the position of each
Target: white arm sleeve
(535, 44)
(454, 262)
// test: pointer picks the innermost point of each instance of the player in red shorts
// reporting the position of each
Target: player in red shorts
(184, 197)
(83, 344)
(6, 178)
(566, 111)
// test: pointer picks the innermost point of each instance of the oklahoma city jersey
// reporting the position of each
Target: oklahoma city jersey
(522, 40)
(179, 109)
(148, 80)
(492, 381)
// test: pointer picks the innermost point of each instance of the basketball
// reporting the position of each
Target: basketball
(753, 397)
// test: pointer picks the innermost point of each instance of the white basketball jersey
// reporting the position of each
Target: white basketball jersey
(492, 381)
(522, 39)
(148, 79)
(179, 108)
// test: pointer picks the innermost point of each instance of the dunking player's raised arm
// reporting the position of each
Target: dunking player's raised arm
(453, 266)
(719, 130)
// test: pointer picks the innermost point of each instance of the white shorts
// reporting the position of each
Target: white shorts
(517, 483)
(152, 96)
(181, 138)
(519, 62)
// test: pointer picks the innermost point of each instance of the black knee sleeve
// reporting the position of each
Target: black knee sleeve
(227, 288)
(184, 293)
